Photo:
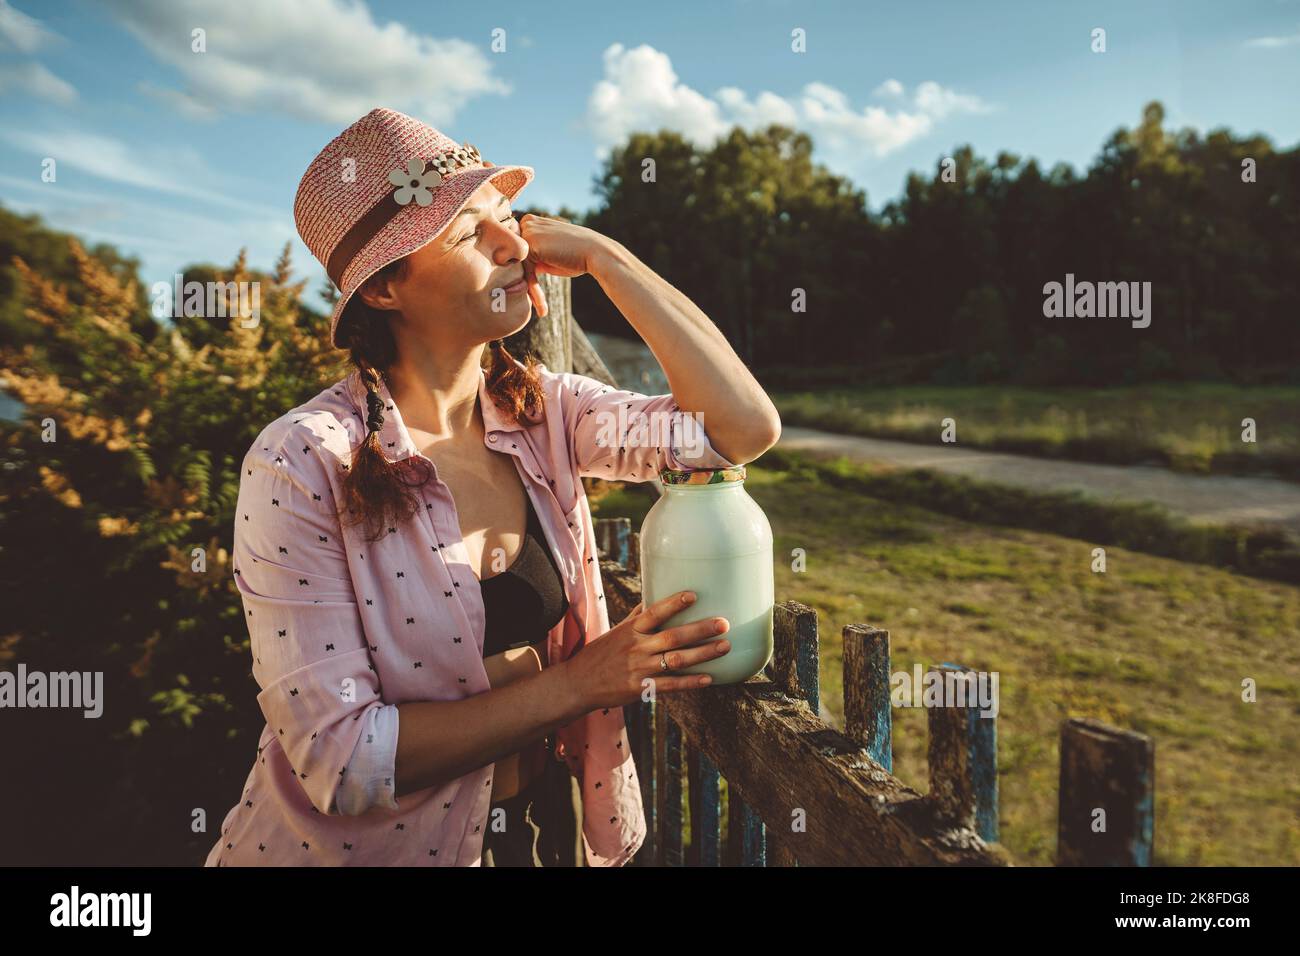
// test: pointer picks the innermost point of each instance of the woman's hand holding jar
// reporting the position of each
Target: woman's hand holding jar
(611, 670)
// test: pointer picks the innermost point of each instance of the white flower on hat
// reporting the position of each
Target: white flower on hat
(414, 183)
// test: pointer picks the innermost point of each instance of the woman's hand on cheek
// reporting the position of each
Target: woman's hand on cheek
(558, 246)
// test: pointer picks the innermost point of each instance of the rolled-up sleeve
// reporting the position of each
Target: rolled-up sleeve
(310, 656)
(369, 780)
(621, 435)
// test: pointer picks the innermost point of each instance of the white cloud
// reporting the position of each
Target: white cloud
(20, 32)
(1269, 43)
(891, 88)
(36, 80)
(176, 172)
(768, 108)
(322, 60)
(641, 91)
(24, 34)
(938, 101)
(830, 118)
(180, 101)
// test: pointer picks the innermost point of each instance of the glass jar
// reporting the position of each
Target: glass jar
(706, 534)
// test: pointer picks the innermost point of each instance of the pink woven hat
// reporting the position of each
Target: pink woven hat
(381, 189)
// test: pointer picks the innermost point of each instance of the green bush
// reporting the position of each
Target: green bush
(116, 554)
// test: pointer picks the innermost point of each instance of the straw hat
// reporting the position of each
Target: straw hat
(383, 188)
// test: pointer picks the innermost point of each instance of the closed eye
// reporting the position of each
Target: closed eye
(475, 232)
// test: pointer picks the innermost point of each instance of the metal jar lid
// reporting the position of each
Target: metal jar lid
(701, 476)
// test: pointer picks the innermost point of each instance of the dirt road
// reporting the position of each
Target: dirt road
(1209, 499)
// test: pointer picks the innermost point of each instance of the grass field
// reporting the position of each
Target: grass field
(1189, 427)
(1155, 645)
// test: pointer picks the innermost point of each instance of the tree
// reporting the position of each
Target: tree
(116, 545)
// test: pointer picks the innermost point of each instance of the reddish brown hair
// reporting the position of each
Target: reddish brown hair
(383, 492)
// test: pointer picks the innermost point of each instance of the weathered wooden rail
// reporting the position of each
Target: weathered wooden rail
(802, 793)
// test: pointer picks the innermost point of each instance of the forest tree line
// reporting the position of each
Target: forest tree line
(946, 283)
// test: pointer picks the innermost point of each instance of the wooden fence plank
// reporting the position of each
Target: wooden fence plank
(668, 787)
(795, 652)
(613, 536)
(639, 718)
(963, 756)
(705, 803)
(1107, 796)
(795, 667)
(746, 829)
(868, 714)
(634, 554)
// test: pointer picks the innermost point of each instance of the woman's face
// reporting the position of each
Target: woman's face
(453, 292)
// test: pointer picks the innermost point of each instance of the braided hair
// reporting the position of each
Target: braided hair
(383, 492)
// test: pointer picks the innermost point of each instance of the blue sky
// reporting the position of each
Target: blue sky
(177, 156)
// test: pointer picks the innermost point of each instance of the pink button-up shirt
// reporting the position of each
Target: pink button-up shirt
(341, 627)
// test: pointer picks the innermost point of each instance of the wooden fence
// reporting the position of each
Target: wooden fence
(802, 793)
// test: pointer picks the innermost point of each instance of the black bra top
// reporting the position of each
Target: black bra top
(523, 602)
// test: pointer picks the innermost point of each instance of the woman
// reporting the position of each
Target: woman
(418, 583)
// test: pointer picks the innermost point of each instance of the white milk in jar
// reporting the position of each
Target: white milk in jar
(707, 535)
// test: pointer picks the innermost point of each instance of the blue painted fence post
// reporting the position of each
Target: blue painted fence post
(963, 751)
(1107, 796)
(746, 829)
(668, 788)
(706, 818)
(795, 668)
(640, 720)
(868, 716)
